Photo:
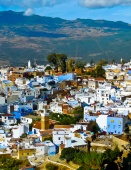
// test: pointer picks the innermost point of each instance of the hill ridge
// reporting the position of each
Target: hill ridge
(34, 37)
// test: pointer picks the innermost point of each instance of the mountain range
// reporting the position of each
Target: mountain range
(24, 38)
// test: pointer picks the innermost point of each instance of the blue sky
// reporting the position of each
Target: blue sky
(114, 10)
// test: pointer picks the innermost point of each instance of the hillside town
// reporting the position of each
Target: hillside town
(43, 111)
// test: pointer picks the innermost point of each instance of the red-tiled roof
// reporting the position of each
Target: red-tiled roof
(99, 79)
(37, 125)
(62, 126)
(49, 131)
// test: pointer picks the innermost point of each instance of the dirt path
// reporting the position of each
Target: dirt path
(56, 160)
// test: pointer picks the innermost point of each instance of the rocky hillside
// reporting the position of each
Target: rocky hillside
(34, 37)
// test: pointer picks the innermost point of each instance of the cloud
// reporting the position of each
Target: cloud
(103, 3)
(28, 12)
(30, 3)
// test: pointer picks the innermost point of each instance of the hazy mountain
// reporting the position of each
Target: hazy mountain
(34, 37)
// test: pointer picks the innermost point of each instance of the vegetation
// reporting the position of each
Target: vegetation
(51, 166)
(70, 64)
(80, 64)
(72, 40)
(48, 138)
(102, 62)
(28, 75)
(24, 135)
(92, 160)
(64, 119)
(48, 68)
(78, 111)
(8, 163)
(98, 72)
(57, 60)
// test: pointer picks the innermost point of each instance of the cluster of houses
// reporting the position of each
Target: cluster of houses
(27, 93)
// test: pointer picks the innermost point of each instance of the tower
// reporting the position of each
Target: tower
(44, 120)
(29, 64)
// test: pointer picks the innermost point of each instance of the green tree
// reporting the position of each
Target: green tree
(51, 166)
(111, 155)
(78, 110)
(57, 60)
(61, 58)
(127, 162)
(115, 77)
(95, 128)
(65, 121)
(7, 163)
(93, 160)
(24, 135)
(68, 154)
(102, 62)
(79, 157)
(70, 65)
(113, 61)
(48, 68)
(100, 72)
(92, 62)
(52, 58)
(80, 64)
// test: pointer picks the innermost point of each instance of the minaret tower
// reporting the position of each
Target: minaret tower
(44, 119)
(29, 64)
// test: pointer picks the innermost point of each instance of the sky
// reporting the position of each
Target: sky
(113, 10)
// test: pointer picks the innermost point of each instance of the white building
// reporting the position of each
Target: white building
(103, 95)
(25, 120)
(2, 100)
(56, 107)
(22, 83)
(111, 124)
(18, 130)
(8, 119)
(68, 138)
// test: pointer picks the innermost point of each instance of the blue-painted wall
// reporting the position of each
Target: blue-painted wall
(114, 125)
(68, 76)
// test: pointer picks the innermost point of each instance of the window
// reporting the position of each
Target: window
(119, 122)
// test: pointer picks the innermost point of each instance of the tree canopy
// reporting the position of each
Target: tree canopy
(57, 60)
(80, 64)
(70, 64)
(91, 160)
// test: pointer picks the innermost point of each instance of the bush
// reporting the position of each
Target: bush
(24, 135)
(51, 166)
(68, 154)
